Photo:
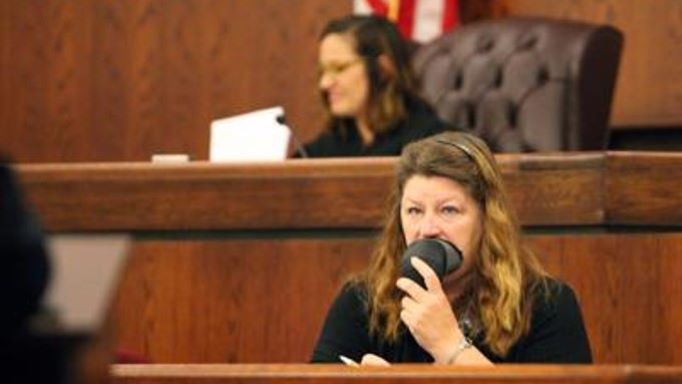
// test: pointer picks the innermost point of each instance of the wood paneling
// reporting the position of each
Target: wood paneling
(559, 189)
(649, 85)
(120, 80)
(626, 284)
(414, 374)
(546, 189)
(644, 188)
(263, 301)
(111, 80)
(556, 189)
(296, 194)
(231, 301)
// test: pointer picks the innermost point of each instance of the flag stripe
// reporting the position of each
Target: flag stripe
(406, 17)
(378, 6)
(428, 20)
(417, 20)
(450, 14)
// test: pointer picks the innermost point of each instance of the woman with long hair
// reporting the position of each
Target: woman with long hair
(369, 91)
(498, 306)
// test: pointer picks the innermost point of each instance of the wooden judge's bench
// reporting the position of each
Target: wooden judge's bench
(237, 264)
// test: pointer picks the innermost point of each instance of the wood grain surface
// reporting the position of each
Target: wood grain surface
(281, 374)
(120, 80)
(556, 189)
(264, 300)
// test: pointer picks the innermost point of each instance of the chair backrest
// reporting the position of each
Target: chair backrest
(524, 84)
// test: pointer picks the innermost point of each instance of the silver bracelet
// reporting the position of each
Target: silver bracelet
(463, 344)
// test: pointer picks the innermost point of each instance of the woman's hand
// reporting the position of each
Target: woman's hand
(371, 359)
(368, 359)
(427, 313)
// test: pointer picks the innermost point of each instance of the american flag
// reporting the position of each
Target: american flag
(418, 20)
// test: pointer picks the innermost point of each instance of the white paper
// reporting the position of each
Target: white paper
(170, 158)
(253, 136)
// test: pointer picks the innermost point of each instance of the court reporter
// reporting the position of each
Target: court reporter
(499, 306)
(369, 91)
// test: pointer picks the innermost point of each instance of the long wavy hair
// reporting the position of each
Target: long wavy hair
(374, 37)
(506, 273)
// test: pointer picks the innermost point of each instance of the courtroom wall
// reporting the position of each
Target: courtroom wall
(113, 80)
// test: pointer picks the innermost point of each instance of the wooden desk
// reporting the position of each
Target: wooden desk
(238, 263)
(402, 374)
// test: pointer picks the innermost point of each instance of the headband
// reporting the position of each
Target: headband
(459, 146)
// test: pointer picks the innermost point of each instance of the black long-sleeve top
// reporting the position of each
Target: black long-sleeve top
(556, 335)
(421, 122)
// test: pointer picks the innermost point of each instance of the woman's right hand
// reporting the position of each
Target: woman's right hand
(427, 313)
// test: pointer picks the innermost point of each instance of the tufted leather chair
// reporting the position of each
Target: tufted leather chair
(524, 84)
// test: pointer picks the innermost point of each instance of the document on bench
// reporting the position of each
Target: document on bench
(255, 136)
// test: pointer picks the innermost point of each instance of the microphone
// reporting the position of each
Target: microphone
(299, 147)
(441, 255)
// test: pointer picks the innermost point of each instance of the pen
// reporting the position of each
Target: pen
(348, 361)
